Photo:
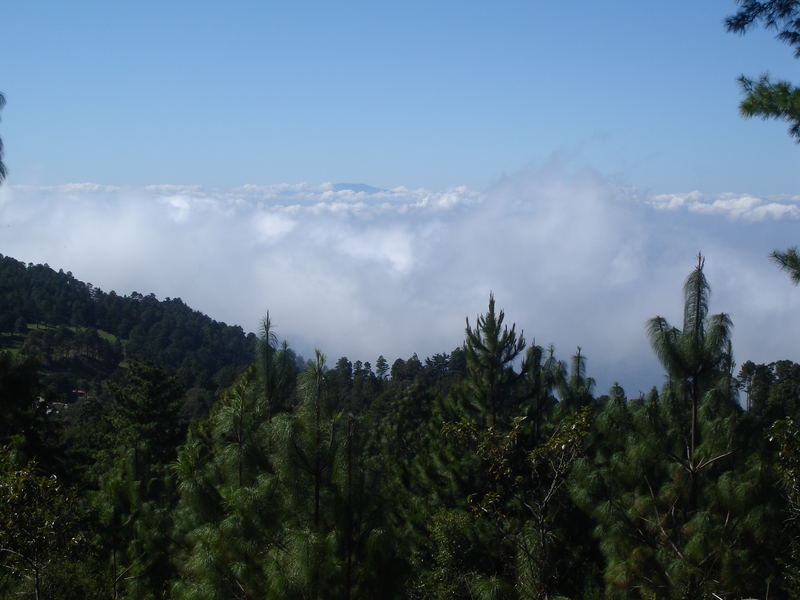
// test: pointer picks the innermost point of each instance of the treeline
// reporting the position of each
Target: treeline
(494, 471)
(202, 352)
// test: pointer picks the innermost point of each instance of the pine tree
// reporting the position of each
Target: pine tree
(680, 515)
(135, 503)
(501, 452)
(276, 368)
(381, 367)
(491, 349)
(367, 547)
(229, 511)
(575, 389)
(698, 361)
(540, 378)
(785, 435)
(306, 445)
(147, 411)
(137, 494)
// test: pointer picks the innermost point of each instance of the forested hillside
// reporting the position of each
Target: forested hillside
(492, 471)
(54, 316)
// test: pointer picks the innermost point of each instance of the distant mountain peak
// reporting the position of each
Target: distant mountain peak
(356, 187)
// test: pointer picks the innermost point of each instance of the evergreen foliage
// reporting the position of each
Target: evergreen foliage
(766, 98)
(37, 533)
(491, 348)
(770, 99)
(21, 415)
(789, 261)
(678, 511)
(84, 321)
(490, 472)
(226, 515)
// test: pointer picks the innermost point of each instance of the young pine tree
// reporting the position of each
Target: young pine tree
(679, 514)
(229, 513)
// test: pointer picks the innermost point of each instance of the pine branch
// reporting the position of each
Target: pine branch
(788, 261)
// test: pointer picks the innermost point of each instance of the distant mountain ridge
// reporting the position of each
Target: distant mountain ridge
(201, 351)
(357, 187)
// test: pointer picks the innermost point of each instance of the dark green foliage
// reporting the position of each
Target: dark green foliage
(541, 376)
(770, 99)
(406, 370)
(277, 369)
(772, 391)
(679, 511)
(166, 332)
(20, 326)
(574, 389)
(381, 367)
(20, 411)
(38, 531)
(147, 408)
(136, 497)
(226, 517)
(782, 16)
(784, 435)
(459, 559)
(766, 98)
(525, 500)
(135, 505)
(309, 442)
(285, 505)
(499, 464)
(789, 261)
(489, 472)
(25, 419)
(491, 349)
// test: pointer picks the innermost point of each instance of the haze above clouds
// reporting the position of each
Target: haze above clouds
(573, 257)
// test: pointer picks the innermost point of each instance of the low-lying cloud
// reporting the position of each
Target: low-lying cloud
(574, 258)
(744, 207)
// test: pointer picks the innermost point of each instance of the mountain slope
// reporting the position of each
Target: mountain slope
(201, 351)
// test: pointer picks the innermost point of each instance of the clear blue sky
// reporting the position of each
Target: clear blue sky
(433, 93)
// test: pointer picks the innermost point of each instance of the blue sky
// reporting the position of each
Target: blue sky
(432, 94)
(572, 157)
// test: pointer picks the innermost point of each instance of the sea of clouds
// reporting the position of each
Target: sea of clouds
(573, 257)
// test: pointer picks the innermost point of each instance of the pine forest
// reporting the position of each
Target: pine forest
(150, 452)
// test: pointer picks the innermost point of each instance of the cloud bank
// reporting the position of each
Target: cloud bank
(743, 207)
(574, 259)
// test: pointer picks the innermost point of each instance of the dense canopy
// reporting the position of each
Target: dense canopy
(155, 453)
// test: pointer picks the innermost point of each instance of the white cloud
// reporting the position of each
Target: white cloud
(743, 207)
(674, 201)
(271, 227)
(179, 207)
(86, 187)
(168, 188)
(573, 258)
(391, 246)
(775, 211)
(71, 188)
